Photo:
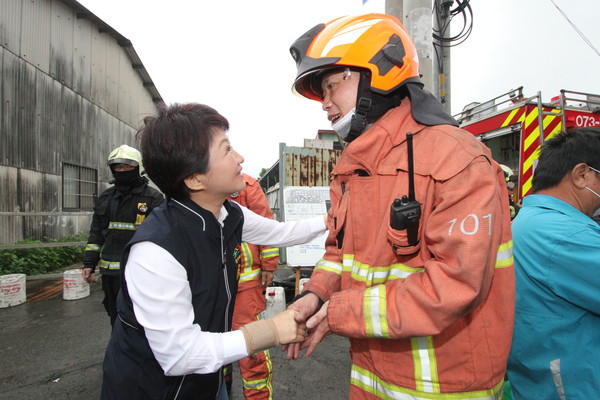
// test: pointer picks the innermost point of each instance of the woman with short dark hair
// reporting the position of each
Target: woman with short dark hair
(179, 276)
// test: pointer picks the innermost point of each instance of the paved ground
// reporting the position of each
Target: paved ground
(52, 349)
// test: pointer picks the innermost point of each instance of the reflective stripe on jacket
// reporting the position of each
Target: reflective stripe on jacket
(255, 259)
(116, 218)
(433, 320)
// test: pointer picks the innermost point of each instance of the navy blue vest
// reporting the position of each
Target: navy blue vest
(210, 256)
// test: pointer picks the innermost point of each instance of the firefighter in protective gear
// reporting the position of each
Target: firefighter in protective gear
(258, 264)
(118, 212)
(418, 269)
(510, 178)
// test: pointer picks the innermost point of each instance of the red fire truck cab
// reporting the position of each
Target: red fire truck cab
(510, 126)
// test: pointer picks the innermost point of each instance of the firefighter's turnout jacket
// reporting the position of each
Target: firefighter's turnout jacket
(256, 369)
(435, 318)
(255, 259)
(117, 215)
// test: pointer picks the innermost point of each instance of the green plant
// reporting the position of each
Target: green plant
(35, 261)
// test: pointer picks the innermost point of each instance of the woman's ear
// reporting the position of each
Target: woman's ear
(195, 182)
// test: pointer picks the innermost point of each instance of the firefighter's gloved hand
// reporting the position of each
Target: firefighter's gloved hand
(88, 274)
(266, 333)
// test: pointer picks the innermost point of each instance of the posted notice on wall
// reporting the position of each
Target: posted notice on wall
(304, 202)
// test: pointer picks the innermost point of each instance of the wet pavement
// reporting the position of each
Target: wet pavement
(52, 349)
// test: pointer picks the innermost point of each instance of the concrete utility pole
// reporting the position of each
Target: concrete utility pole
(417, 18)
(441, 23)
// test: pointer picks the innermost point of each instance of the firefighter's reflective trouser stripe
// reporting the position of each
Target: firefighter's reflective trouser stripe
(255, 370)
(248, 273)
(371, 383)
(257, 389)
(376, 326)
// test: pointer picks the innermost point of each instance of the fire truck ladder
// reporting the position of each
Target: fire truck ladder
(542, 114)
(587, 101)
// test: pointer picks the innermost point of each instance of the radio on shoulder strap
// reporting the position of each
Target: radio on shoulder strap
(405, 213)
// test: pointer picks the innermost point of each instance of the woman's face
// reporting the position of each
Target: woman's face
(224, 174)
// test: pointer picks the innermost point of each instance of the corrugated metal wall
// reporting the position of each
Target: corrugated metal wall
(297, 166)
(309, 166)
(69, 95)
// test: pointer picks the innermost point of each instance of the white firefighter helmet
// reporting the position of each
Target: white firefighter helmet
(509, 176)
(508, 172)
(126, 155)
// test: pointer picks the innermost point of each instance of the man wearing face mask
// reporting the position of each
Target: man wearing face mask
(555, 348)
(118, 212)
(418, 266)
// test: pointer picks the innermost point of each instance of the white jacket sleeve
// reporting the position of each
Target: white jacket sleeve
(162, 303)
(267, 232)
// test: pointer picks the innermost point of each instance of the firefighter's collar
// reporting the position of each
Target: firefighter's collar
(426, 109)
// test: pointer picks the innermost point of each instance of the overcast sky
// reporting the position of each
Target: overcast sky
(233, 55)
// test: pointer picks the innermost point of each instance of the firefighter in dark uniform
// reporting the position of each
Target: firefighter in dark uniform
(118, 212)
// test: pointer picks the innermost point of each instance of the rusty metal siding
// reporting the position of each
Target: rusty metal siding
(308, 167)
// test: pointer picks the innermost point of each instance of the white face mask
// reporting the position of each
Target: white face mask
(342, 126)
(597, 195)
(595, 170)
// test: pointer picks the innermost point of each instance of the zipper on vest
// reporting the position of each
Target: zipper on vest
(228, 290)
(225, 276)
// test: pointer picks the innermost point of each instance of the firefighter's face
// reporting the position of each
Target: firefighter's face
(123, 167)
(339, 93)
(224, 174)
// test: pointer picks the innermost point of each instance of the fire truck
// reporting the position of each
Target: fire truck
(514, 127)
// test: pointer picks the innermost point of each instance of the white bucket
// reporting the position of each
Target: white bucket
(301, 283)
(275, 297)
(12, 290)
(74, 286)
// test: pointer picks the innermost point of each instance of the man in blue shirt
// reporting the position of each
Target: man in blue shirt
(556, 345)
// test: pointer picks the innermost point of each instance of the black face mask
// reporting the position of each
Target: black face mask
(126, 179)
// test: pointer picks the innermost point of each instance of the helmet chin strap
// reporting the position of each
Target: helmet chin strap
(363, 105)
(370, 106)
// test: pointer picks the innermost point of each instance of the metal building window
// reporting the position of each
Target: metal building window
(80, 187)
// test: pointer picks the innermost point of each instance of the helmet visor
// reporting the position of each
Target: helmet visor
(123, 161)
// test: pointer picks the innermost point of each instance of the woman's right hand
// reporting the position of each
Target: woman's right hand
(288, 330)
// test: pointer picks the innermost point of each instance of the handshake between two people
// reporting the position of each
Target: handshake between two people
(302, 326)
(309, 312)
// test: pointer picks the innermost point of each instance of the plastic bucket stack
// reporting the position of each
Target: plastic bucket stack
(275, 297)
(12, 290)
(74, 286)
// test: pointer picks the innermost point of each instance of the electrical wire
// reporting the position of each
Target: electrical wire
(440, 40)
(439, 35)
(585, 39)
